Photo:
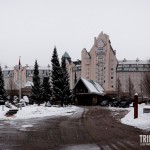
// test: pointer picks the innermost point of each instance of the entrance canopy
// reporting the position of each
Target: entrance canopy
(88, 86)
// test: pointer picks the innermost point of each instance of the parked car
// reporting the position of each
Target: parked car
(124, 104)
(115, 103)
(104, 103)
(112, 100)
(21, 104)
(7, 104)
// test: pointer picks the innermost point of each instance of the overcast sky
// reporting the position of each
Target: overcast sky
(31, 28)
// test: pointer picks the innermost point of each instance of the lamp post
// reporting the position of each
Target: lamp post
(19, 85)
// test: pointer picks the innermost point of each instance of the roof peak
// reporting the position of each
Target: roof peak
(66, 55)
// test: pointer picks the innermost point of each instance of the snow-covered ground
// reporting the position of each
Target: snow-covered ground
(34, 111)
(143, 120)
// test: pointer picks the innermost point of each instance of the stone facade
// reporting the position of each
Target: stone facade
(100, 63)
(11, 75)
(74, 69)
(133, 69)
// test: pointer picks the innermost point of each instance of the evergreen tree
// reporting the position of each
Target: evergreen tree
(2, 89)
(66, 93)
(37, 90)
(47, 93)
(56, 77)
(75, 78)
(118, 89)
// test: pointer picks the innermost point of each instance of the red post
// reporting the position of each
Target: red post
(135, 106)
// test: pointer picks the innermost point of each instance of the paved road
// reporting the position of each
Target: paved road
(96, 129)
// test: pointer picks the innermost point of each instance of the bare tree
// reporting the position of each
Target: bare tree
(146, 83)
(11, 87)
(130, 88)
(118, 88)
(141, 87)
(11, 84)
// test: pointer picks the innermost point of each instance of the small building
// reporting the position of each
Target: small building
(87, 92)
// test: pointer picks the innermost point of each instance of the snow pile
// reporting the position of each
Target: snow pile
(143, 120)
(34, 111)
(25, 127)
(26, 99)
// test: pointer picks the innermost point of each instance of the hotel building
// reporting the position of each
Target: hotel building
(100, 63)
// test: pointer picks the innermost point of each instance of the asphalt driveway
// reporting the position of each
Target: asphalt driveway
(96, 128)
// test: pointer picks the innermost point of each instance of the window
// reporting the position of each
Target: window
(147, 66)
(111, 77)
(112, 73)
(119, 69)
(119, 65)
(126, 69)
(132, 69)
(133, 65)
(140, 69)
(125, 65)
(140, 65)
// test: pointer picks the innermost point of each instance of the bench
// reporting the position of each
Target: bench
(11, 112)
(146, 110)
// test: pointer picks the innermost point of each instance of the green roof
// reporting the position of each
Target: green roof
(66, 55)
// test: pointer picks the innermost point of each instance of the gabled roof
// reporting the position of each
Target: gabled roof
(92, 86)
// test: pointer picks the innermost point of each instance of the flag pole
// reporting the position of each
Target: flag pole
(19, 69)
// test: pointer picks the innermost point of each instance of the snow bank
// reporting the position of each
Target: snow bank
(143, 120)
(34, 111)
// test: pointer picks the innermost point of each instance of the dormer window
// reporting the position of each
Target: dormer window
(100, 51)
(137, 60)
(124, 60)
(100, 48)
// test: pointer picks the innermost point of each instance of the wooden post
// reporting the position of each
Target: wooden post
(135, 106)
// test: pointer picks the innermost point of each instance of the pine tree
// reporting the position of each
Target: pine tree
(118, 89)
(2, 89)
(37, 90)
(75, 78)
(66, 93)
(56, 77)
(47, 93)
